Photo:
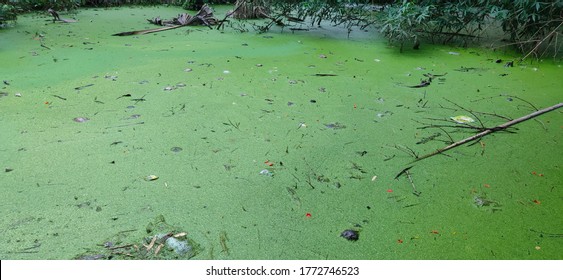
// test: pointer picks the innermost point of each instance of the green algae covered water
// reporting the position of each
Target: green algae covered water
(269, 146)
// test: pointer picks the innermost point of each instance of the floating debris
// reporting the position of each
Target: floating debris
(462, 119)
(266, 172)
(351, 235)
(82, 87)
(429, 138)
(176, 149)
(81, 119)
(180, 247)
(223, 241)
(188, 70)
(293, 195)
(59, 97)
(322, 56)
(335, 125)
(481, 201)
(151, 178)
(169, 88)
(423, 83)
(384, 114)
(165, 242)
(453, 53)
(470, 69)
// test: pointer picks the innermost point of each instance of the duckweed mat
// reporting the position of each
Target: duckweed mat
(269, 146)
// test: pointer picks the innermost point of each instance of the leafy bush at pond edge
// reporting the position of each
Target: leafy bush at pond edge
(532, 26)
(527, 23)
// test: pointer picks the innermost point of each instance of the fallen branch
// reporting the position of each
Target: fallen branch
(491, 130)
(146, 31)
(204, 17)
(541, 42)
(230, 13)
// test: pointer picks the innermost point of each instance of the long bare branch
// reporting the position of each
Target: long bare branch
(490, 130)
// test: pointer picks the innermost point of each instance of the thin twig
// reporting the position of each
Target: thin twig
(540, 42)
(525, 101)
(414, 191)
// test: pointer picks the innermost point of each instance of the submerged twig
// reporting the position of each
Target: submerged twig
(235, 125)
(414, 191)
(407, 150)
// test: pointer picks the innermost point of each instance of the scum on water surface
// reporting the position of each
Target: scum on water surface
(332, 120)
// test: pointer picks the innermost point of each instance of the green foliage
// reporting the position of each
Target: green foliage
(402, 22)
(29, 5)
(348, 13)
(193, 5)
(528, 23)
(7, 12)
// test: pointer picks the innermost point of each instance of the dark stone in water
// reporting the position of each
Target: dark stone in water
(80, 119)
(350, 234)
(176, 149)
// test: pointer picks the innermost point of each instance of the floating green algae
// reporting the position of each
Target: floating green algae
(70, 184)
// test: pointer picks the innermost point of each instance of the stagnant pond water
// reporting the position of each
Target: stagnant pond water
(269, 146)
